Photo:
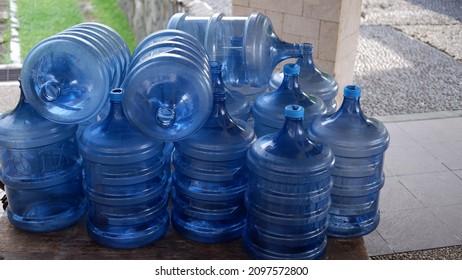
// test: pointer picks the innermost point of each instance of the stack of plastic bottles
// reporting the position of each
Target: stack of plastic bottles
(174, 96)
(288, 195)
(209, 179)
(359, 144)
(126, 178)
(41, 170)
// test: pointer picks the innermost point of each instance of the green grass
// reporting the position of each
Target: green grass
(5, 56)
(108, 12)
(40, 19)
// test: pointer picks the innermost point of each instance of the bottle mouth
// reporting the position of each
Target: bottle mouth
(291, 69)
(294, 111)
(353, 91)
(116, 94)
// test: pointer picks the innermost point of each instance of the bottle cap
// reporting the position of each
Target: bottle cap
(116, 95)
(291, 69)
(352, 91)
(294, 111)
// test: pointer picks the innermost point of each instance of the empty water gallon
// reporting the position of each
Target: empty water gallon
(67, 77)
(209, 180)
(268, 109)
(41, 169)
(311, 80)
(247, 47)
(289, 193)
(359, 144)
(168, 88)
(126, 179)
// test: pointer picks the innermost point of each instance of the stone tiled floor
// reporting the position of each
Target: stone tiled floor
(421, 203)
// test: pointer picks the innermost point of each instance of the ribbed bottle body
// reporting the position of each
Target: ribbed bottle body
(288, 197)
(126, 179)
(359, 144)
(41, 170)
(209, 179)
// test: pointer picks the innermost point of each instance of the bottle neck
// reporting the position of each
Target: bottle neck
(351, 111)
(290, 82)
(283, 50)
(306, 60)
(116, 111)
(219, 116)
(292, 140)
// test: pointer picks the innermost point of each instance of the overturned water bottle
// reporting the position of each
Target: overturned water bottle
(168, 88)
(41, 170)
(66, 77)
(288, 197)
(311, 80)
(209, 178)
(247, 47)
(126, 178)
(359, 144)
(268, 109)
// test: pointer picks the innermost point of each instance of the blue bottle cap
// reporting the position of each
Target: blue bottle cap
(291, 69)
(352, 91)
(294, 111)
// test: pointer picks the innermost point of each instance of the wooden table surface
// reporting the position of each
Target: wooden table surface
(75, 243)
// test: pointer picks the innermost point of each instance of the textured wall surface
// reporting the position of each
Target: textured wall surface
(147, 16)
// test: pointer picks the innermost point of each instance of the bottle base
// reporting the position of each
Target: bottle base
(129, 237)
(258, 252)
(206, 231)
(351, 226)
(47, 218)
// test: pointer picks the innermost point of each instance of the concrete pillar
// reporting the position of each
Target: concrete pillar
(332, 26)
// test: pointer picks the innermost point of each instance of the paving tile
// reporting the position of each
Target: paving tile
(398, 136)
(376, 245)
(411, 159)
(394, 196)
(449, 153)
(451, 217)
(414, 229)
(434, 189)
(434, 131)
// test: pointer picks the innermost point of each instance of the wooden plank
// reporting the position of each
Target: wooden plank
(75, 243)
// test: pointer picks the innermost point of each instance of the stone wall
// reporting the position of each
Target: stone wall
(148, 16)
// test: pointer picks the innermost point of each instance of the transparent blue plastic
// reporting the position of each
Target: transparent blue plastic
(246, 46)
(359, 144)
(311, 80)
(209, 180)
(268, 109)
(168, 88)
(288, 197)
(126, 180)
(67, 77)
(41, 170)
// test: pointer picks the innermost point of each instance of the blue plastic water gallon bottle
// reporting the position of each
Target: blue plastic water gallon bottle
(168, 88)
(359, 144)
(209, 180)
(125, 177)
(247, 47)
(311, 80)
(67, 77)
(41, 169)
(289, 193)
(268, 109)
